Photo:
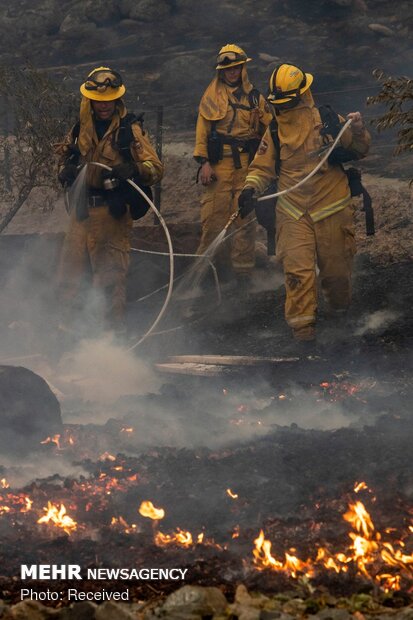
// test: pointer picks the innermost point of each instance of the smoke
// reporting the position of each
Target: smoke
(378, 320)
(101, 371)
(214, 417)
(19, 472)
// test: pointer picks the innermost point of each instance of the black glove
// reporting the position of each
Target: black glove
(124, 171)
(246, 202)
(67, 175)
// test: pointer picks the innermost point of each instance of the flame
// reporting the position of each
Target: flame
(360, 519)
(107, 457)
(180, 537)
(55, 439)
(366, 552)
(59, 517)
(359, 486)
(4, 484)
(231, 494)
(28, 504)
(127, 429)
(263, 559)
(235, 532)
(147, 509)
(121, 523)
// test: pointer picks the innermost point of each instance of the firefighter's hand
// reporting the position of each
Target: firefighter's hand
(68, 174)
(357, 124)
(246, 202)
(207, 175)
(124, 171)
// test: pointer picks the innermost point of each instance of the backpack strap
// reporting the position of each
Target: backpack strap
(76, 131)
(330, 121)
(276, 140)
(254, 98)
(125, 134)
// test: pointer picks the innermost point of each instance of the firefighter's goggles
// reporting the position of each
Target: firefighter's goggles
(101, 85)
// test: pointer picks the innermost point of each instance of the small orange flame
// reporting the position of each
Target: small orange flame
(127, 429)
(147, 509)
(180, 537)
(4, 484)
(59, 517)
(359, 486)
(235, 532)
(120, 522)
(28, 504)
(107, 457)
(55, 439)
(231, 494)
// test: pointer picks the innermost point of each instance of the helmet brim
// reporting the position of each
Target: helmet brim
(110, 94)
(309, 80)
(233, 64)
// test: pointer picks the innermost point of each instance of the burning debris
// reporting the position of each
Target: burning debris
(367, 556)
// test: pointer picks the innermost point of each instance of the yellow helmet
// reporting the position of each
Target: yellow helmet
(103, 84)
(287, 82)
(231, 55)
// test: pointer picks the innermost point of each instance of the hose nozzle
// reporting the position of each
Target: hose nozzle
(232, 219)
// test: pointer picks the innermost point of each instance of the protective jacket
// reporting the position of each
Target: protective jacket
(104, 151)
(324, 194)
(97, 240)
(239, 116)
(230, 110)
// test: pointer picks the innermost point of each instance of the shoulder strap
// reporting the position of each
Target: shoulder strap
(76, 131)
(276, 139)
(254, 98)
(125, 133)
(330, 121)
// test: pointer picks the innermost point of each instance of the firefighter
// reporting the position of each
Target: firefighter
(98, 237)
(315, 224)
(232, 118)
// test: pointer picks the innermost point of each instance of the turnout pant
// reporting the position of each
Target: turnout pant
(100, 244)
(301, 246)
(219, 201)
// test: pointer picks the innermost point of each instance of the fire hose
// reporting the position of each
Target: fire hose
(171, 255)
(232, 219)
(236, 214)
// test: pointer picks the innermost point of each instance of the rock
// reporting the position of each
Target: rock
(31, 610)
(380, 29)
(79, 611)
(144, 10)
(243, 597)
(333, 614)
(113, 611)
(196, 600)
(268, 57)
(186, 73)
(101, 12)
(269, 34)
(29, 411)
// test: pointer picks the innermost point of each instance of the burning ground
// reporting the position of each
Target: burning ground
(287, 477)
(271, 505)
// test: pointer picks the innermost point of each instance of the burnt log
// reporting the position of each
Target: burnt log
(29, 411)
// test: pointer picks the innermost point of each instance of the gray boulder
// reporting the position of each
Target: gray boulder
(29, 411)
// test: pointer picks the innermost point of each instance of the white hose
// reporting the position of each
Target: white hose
(211, 264)
(171, 256)
(312, 173)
